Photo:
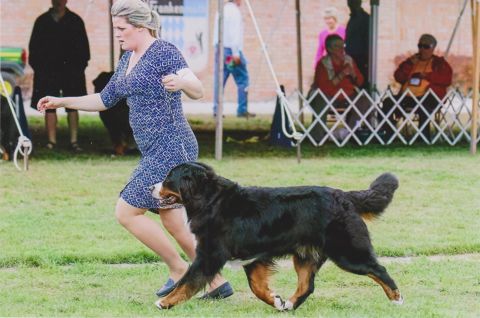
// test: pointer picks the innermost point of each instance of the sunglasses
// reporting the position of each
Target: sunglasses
(424, 46)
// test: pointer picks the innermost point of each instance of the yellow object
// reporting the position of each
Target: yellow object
(421, 67)
(9, 88)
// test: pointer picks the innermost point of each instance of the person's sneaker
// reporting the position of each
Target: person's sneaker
(167, 288)
(246, 115)
(223, 291)
(50, 145)
(75, 147)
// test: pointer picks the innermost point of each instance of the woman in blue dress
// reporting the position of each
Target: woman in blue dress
(151, 75)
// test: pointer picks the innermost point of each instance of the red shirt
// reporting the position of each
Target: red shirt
(326, 85)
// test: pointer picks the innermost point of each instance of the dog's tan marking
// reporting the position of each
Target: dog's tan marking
(393, 295)
(369, 216)
(163, 193)
(304, 270)
(178, 295)
(258, 280)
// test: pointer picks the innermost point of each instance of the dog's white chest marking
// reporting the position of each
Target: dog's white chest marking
(156, 190)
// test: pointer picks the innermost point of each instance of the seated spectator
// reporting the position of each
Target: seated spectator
(330, 16)
(418, 74)
(334, 72)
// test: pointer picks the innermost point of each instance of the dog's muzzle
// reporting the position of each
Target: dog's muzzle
(155, 189)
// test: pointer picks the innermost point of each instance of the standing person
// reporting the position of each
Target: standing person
(357, 37)
(234, 59)
(330, 17)
(151, 75)
(59, 54)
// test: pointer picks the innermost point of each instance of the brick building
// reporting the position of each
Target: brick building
(401, 22)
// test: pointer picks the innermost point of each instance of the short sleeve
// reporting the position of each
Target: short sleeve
(111, 94)
(172, 59)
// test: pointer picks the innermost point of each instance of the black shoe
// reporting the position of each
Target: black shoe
(75, 147)
(246, 115)
(215, 115)
(166, 289)
(51, 145)
(223, 291)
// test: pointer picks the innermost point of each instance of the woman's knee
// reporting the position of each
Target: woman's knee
(124, 212)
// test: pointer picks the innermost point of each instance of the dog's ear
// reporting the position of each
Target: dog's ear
(192, 184)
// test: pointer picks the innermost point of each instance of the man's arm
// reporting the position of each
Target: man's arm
(441, 75)
(403, 71)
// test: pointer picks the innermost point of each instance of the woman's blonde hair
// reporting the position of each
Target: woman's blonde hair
(330, 12)
(138, 14)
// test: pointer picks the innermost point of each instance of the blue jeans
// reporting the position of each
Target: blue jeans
(240, 75)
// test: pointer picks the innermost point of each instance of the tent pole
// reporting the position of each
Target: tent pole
(476, 74)
(219, 82)
(299, 53)
(299, 67)
(112, 54)
(373, 47)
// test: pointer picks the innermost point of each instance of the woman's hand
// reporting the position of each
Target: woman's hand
(49, 102)
(348, 70)
(172, 82)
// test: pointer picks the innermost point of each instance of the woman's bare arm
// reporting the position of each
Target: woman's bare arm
(89, 103)
(186, 81)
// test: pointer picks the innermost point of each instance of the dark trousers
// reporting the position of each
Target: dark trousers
(408, 103)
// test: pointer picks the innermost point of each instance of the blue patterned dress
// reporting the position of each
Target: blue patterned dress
(160, 129)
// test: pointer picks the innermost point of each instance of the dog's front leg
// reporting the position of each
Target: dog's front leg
(192, 282)
(204, 268)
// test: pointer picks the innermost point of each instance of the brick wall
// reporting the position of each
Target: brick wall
(401, 22)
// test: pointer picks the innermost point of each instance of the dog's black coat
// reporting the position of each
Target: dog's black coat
(310, 222)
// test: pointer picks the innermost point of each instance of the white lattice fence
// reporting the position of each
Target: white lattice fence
(385, 118)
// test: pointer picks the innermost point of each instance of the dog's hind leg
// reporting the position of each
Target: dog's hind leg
(258, 274)
(379, 274)
(350, 248)
(306, 270)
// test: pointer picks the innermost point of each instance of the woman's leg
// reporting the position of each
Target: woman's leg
(175, 222)
(151, 234)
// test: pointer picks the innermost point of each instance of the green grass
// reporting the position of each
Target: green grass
(60, 212)
(430, 289)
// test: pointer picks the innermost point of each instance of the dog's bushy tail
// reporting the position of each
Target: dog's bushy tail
(372, 202)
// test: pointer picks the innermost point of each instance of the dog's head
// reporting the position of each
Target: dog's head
(184, 183)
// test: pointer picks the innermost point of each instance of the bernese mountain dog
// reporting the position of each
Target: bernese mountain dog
(259, 224)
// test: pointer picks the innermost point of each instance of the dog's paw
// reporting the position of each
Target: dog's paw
(288, 305)
(159, 305)
(398, 301)
(278, 302)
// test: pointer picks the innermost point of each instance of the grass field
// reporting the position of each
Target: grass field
(63, 254)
